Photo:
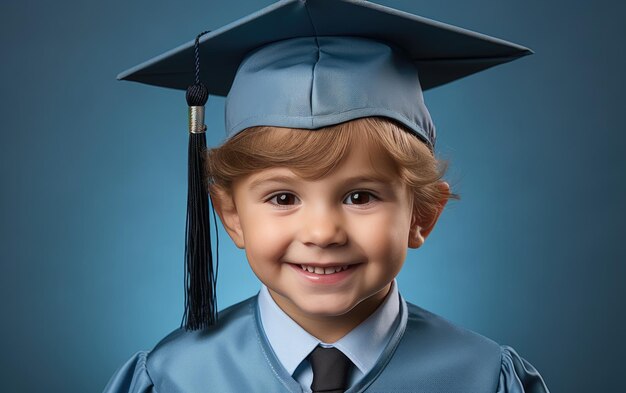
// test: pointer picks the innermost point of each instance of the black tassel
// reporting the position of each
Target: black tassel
(200, 278)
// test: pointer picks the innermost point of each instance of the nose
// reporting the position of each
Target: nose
(323, 227)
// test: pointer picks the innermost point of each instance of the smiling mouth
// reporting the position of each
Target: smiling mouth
(324, 270)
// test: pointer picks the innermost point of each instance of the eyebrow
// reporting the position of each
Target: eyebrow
(348, 181)
(272, 179)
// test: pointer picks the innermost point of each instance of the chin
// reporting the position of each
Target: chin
(326, 308)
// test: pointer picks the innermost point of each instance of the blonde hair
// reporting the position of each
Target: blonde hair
(314, 154)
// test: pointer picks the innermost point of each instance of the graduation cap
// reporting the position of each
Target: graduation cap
(308, 64)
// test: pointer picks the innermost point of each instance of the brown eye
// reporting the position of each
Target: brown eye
(283, 199)
(359, 198)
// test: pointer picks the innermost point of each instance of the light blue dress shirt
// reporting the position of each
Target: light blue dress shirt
(363, 345)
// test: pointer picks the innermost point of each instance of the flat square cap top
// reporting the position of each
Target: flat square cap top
(442, 53)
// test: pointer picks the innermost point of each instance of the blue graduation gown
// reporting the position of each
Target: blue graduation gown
(425, 354)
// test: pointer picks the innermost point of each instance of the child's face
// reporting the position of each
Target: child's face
(357, 218)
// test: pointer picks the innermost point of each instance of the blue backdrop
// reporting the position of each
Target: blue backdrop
(94, 186)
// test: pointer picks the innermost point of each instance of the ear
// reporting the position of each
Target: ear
(224, 206)
(421, 228)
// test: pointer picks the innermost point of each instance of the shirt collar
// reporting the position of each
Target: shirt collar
(376, 331)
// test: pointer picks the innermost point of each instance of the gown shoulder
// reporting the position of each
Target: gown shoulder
(475, 362)
(132, 376)
(517, 375)
(146, 371)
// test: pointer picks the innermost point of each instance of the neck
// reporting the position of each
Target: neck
(330, 329)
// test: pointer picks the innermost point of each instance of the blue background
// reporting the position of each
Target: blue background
(93, 188)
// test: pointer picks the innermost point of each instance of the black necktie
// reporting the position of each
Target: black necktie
(330, 370)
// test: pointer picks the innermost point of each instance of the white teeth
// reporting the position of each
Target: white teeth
(322, 270)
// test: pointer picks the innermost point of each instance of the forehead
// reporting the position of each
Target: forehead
(362, 162)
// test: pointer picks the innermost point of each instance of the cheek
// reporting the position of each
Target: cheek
(385, 238)
(265, 240)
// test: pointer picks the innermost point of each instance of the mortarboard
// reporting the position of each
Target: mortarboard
(308, 64)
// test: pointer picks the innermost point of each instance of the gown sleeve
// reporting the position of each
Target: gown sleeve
(518, 376)
(132, 377)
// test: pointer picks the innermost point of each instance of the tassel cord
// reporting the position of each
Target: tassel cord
(200, 280)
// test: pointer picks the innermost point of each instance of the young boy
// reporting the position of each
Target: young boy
(327, 177)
